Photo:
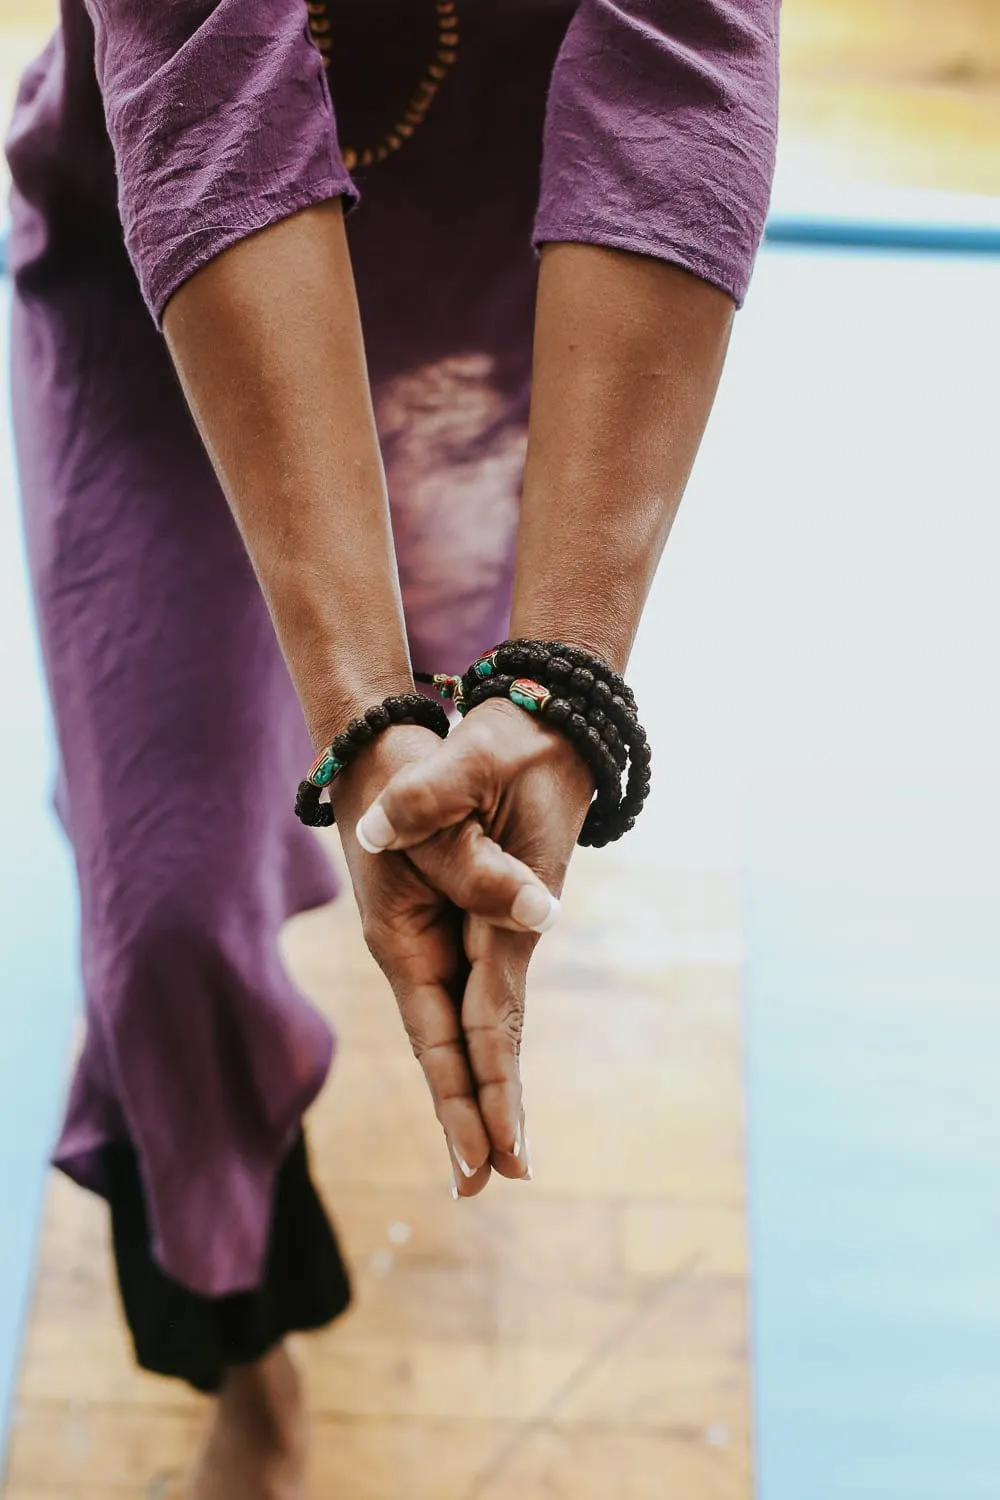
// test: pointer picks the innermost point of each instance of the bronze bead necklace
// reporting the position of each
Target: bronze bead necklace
(445, 54)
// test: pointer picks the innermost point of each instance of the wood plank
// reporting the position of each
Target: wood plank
(658, 1236)
(554, 1464)
(377, 1459)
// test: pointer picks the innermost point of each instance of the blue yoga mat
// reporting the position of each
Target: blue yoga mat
(874, 1094)
(37, 929)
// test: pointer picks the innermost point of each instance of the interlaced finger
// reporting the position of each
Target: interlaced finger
(493, 1019)
(481, 878)
(433, 1024)
(430, 795)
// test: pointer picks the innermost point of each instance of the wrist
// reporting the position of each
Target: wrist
(331, 706)
(334, 764)
(360, 783)
(346, 650)
(608, 634)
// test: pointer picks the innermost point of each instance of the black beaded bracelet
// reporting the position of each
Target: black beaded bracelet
(402, 708)
(575, 670)
(585, 699)
(565, 716)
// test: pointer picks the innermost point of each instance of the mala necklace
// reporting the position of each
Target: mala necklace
(437, 70)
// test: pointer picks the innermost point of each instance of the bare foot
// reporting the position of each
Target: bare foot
(256, 1446)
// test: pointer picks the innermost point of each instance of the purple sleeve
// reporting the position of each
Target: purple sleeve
(660, 132)
(221, 123)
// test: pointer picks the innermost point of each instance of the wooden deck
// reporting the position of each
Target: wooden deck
(582, 1335)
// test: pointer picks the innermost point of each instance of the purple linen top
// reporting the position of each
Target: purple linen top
(150, 135)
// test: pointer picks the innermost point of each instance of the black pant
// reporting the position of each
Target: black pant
(177, 1332)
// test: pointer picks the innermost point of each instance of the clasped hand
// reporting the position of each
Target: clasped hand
(474, 836)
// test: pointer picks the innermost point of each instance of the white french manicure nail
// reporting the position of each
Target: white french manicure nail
(454, 1186)
(466, 1170)
(374, 831)
(535, 908)
(518, 1138)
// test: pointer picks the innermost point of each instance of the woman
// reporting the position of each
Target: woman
(182, 168)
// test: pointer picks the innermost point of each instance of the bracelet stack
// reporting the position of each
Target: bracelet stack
(570, 689)
(588, 702)
(404, 708)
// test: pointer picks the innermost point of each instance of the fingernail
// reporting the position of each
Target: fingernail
(374, 831)
(529, 1170)
(518, 1138)
(454, 1185)
(464, 1167)
(535, 908)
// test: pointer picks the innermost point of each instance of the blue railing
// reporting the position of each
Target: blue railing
(883, 234)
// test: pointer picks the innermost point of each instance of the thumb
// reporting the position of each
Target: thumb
(482, 879)
(430, 808)
(428, 796)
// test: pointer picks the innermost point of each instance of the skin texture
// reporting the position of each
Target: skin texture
(267, 343)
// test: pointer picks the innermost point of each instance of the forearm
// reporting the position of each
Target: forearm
(628, 354)
(267, 342)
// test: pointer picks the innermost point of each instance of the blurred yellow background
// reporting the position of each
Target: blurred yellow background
(899, 91)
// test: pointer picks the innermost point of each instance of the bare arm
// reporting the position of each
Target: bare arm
(267, 342)
(628, 354)
(268, 346)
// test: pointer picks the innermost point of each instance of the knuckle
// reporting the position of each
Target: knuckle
(498, 729)
(473, 755)
(382, 946)
(476, 739)
(374, 934)
(482, 887)
(374, 927)
(415, 806)
(417, 1036)
(509, 1025)
(478, 751)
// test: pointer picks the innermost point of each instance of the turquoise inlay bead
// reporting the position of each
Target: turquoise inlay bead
(486, 665)
(446, 684)
(324, 770)
(529, 695)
